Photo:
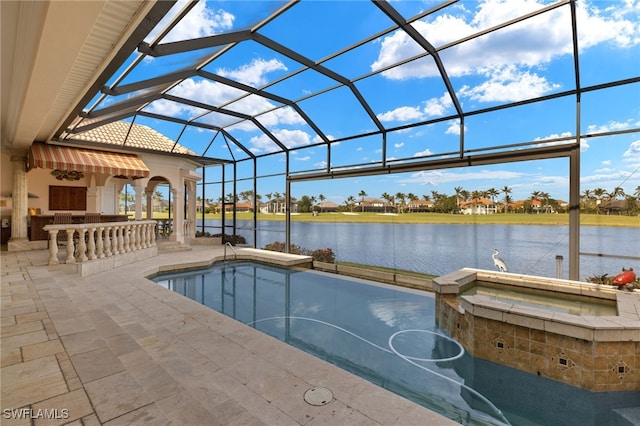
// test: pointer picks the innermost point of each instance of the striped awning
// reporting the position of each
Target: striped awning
(65, 158)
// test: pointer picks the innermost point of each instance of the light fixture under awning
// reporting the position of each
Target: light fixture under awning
(56, 157)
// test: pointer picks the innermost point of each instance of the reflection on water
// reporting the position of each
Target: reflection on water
(440, 249)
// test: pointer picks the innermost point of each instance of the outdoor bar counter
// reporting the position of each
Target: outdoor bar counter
(41, 220)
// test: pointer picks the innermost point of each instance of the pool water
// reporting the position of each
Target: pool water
(387, 335)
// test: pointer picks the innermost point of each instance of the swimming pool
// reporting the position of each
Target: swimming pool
(388, 336)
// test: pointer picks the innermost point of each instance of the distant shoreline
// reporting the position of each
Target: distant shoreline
(443, 218)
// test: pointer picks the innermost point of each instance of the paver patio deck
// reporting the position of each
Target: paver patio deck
(115, 348)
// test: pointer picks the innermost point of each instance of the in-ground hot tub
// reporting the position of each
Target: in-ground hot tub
(583, 334)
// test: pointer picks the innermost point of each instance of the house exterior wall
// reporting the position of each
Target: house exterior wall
(103, 191)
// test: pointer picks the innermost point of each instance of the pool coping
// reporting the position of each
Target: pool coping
(239, 253)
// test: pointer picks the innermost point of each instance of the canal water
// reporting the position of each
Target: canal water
(442, 248)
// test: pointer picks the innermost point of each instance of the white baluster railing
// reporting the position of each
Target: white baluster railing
(103, 239)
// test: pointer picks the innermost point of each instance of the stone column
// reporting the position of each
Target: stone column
(149, 195)
(138, 203)
(178, 214)
(20, 200)
(191, 210)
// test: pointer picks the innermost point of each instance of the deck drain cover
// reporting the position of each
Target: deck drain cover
(318, 396)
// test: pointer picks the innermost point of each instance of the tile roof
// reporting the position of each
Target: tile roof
(125, 134)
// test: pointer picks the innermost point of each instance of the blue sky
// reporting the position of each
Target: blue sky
(526, 60)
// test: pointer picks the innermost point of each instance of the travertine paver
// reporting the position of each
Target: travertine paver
(116, 349)
(32, 381)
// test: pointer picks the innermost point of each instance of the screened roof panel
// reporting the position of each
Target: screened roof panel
(615, 117)
(253, 105)
(196, 139)
(210, 94)
(336, 28)
(216, 119)
(424, 99)
(357, 62)
(254, 137)
(424, 141)
(622, 59)
(275, 76)
(253, 64)
(344, 108)
(224, 147)
(308, 159)
(150, 67)
(302, 83)
(522, 127)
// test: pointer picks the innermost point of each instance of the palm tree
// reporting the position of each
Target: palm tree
(350, 202)
(322, 198)
(507, 199)
(587, 196)
(599, 194)
(617, 192)
(388, 198)
(535, 196)
(401, 201)
(276, 196)
(458, 190)
(545, 199)
(268, 195)
(411, 197)
(637, 192)
(362, 194)
(493, 193)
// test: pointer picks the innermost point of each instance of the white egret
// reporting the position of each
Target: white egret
(502, 267)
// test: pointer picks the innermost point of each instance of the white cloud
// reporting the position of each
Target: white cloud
(165, 107)
(254, 73)
(508, 61)
(454, 128)
(559, 181)
(434, 107)
(606, 162)
(199, 22)
(610, 126)
(289, 138)
(605, 170)
(401, 114)
(286, 115)
(437, 177)
(633, 153)
(422, 153)
(532, 43)
(584, 145)
(617, 24)
(606, 180)
(306, 158)
(214, 93)
(507, 84)
(398, 145)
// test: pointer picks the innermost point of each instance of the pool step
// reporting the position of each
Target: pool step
(172, 247)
